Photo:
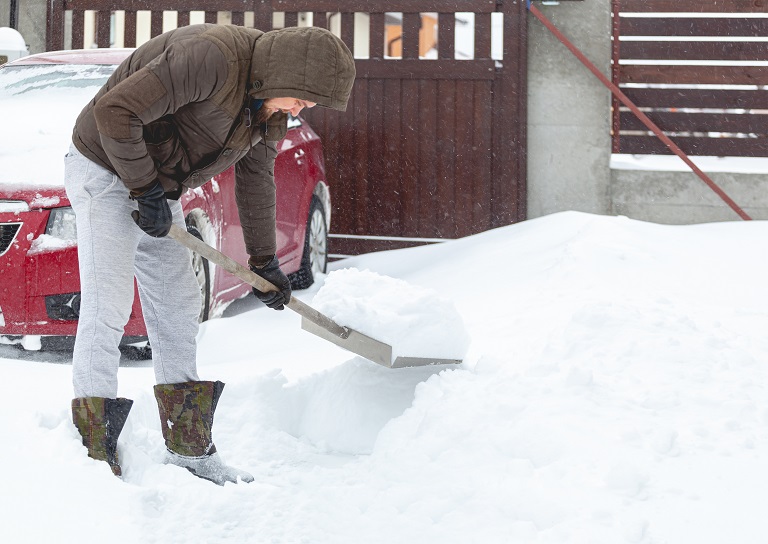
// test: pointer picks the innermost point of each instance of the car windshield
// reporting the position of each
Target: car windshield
(19, 80)
(38, 108)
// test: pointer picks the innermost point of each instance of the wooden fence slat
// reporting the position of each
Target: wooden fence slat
(429, 69)
(376, 164)
(464, 173)
(376, 36)
(660, 26)
(428, 159)
(409, 152)
(446, 35)
(483, 36)
(103, 27)
(698, 98)
(396, 6)
(446, 156)
(54, 31)
(183, 18)
(694, 6)
(694, 50)
(238, 18)
(411, 26)
(262, 15)
(361, 153)
(211, 17)
(482, 122)
(722, 75)
(348, 29)
(129, 29)
(719, 147)
(156, 23)
(320, 19)
(699, 122)
(78, 29)
(291, 19)
(387, 203)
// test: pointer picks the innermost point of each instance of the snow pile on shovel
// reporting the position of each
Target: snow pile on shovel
(415, 321)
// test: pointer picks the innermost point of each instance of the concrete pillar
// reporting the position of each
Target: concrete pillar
(569, 111)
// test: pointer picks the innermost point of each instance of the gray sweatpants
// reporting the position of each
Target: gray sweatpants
(111, 249)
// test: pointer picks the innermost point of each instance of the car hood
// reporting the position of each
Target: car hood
(35, 198)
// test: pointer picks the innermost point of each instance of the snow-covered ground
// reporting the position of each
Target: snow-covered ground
(615, 390)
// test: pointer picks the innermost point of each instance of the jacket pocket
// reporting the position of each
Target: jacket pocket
(164, 146)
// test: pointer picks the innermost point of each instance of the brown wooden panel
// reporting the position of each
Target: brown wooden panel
(376, 164)
(698, 98)
(211, 17)
(411, 26)
(103, 26)
(54, 29)
(360, 128)
(262, 16)
(428, 115)
(483, 36)
(320, 19)
(695, 50)
(425, 69)
(481, 150)
(397, 6)
(238, 18)
(446, 158)
(719, 147)
(129, 29)
(387, 203)
(446, 36)
(170, 5)
(291, 18)
(694, 6)
(464, 174)
(699, 122)
(78, 28)
(376, 36)
(348, 29)
(409, 158)
(156, 24)
(723, 75)
(667, 26)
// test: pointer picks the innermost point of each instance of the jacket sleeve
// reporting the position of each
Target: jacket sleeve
(255, 195)
(187, 71)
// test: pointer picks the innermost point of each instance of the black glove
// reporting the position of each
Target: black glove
(272, 273)
(154, 216)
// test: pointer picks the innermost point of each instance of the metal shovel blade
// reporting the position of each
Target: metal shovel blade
(370, 348)
(311, 320)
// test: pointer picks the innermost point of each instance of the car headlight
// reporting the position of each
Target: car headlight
(61, 224)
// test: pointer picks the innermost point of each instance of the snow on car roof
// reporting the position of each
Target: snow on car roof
(75, 56)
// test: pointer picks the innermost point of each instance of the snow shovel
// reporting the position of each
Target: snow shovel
(311, 320)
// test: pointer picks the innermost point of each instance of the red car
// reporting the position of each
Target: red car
(40, 98)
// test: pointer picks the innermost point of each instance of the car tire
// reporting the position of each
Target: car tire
(314, 259)
(202, 269)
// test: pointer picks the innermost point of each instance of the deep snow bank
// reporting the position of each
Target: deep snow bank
(614, 391)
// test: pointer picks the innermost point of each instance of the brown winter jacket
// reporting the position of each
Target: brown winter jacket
(175, 111)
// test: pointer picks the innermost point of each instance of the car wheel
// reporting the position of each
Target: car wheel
(314, 260)
(202, 269)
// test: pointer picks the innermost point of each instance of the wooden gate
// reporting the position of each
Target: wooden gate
(430, 147)
(698, 73)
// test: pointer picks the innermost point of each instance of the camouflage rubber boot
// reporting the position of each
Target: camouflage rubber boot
(186, 418)
(100, 421)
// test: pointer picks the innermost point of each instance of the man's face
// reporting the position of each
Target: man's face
(287, 105)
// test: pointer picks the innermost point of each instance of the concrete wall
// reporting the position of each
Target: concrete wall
(569, 117)
(569, 113)
(31, 22)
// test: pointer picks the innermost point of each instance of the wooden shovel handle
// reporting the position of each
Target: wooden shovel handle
(251, 278)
